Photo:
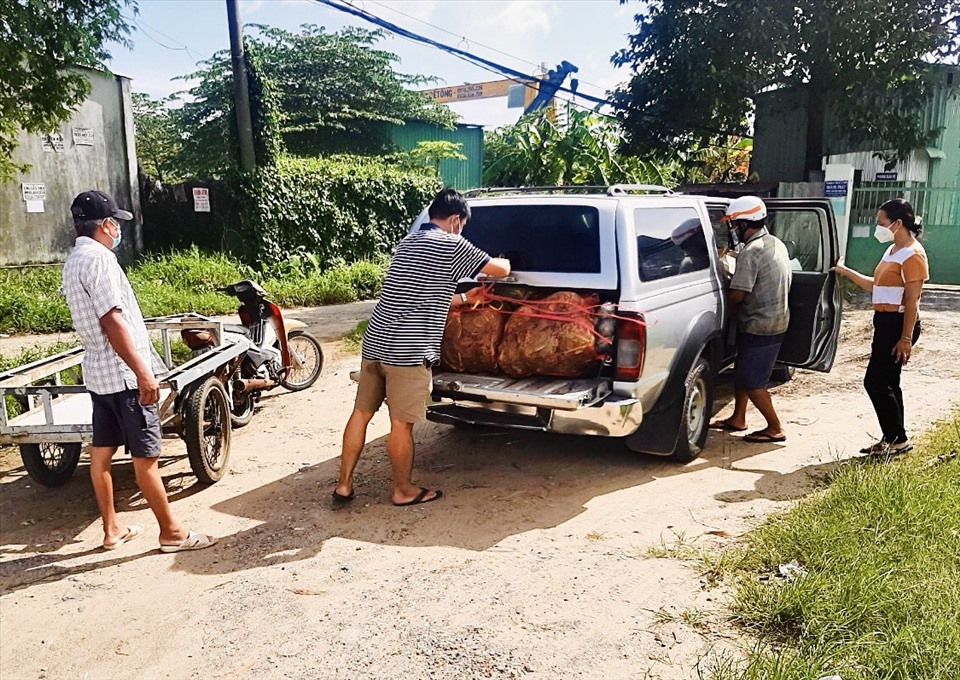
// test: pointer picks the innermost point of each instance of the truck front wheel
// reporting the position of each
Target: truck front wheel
(697, 407)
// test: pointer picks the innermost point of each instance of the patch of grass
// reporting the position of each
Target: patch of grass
(27, 356)
(596, 536)
(179, 352)
(881, 547)
(182, 281)
(354, 338)
(680, 549)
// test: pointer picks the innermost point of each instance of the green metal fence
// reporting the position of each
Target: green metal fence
(938, 206)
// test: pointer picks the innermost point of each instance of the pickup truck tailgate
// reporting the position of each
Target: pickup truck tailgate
(568, 394)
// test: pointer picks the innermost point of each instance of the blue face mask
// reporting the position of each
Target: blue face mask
(116, 239)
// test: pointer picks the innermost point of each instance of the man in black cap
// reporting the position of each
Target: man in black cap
(119, 370)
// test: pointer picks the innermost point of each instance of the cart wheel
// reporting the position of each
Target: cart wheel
(207, 430)
(306, 356)
(50, 464)
(242, 411)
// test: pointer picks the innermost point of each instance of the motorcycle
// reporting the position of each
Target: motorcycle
(281, 352)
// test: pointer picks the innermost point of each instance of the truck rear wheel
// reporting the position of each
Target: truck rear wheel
(697, 407)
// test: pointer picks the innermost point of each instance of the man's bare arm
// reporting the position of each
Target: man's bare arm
(736, 297)
(498, 268)
(116, 332)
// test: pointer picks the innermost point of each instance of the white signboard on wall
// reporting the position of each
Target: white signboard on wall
(201, 199)
(33, 191)
(83, 136)
(56, 140)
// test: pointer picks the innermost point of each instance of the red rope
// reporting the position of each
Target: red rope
(573, 314)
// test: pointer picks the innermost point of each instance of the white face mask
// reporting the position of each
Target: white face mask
(882, 234)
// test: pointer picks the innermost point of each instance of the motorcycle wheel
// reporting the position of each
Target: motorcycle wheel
(306, 357)
(242, 411)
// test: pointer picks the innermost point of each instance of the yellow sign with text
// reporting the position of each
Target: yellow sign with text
(470, 91)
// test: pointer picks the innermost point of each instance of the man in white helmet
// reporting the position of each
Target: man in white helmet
(759, 292)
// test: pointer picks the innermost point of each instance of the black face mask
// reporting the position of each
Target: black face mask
(740, 229)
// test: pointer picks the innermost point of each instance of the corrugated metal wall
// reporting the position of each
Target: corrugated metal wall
(779, 138)
(460, 175)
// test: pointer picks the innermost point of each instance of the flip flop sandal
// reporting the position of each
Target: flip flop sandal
(133, 531)
(761, 437)
(340, 498)
(422, 498)
(194, 541)
(725, 426)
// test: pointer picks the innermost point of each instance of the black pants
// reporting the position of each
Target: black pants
(882, 380)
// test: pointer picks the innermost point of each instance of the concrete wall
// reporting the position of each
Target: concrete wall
(109, 165)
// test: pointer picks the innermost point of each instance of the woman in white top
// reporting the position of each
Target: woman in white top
(895, 286)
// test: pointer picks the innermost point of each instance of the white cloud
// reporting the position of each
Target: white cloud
(250, 7)
(518, 17)
(419, 9)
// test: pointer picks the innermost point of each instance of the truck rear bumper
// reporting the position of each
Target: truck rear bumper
(613, 417)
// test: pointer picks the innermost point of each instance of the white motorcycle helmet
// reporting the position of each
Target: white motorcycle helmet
(748, 208)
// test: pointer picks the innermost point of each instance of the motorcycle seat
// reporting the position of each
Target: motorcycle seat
(239, 330)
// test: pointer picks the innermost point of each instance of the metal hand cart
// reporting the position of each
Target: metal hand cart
(56, 418)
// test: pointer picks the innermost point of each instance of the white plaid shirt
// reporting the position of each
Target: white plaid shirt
(94, 284)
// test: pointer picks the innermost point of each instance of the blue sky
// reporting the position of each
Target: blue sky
(170, 36)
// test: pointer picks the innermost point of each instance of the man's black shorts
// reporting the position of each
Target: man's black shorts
(756, 356)
(120, 420)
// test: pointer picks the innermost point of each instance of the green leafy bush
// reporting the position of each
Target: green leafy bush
(30, 299)
(187, 281)
(341, 208)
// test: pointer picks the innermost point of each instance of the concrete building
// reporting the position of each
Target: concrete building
(93, 150)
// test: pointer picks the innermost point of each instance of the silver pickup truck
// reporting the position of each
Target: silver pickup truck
(656, 392)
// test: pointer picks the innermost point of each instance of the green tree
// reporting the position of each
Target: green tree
(696, 64)
(157, 130)
(327, 92)
(579, 147)
(39, 41)
(208, 122)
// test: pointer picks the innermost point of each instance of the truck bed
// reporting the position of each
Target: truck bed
(568, 394)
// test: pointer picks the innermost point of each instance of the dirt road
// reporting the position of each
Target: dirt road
(536, 565)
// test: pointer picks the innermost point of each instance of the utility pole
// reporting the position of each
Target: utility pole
(241, 95)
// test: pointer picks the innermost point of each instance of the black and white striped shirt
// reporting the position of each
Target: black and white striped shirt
(407, 324)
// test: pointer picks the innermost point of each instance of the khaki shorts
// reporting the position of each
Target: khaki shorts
(406, 389)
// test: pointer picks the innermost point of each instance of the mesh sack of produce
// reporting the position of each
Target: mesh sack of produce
(565, 347)
(471, 338)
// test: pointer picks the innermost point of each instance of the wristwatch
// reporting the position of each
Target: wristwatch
(463, 298)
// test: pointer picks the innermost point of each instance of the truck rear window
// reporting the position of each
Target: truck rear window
(670, 241)
(539, 238)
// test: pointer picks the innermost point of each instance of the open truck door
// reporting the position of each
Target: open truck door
(809, 230)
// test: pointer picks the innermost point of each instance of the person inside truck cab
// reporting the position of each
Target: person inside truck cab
(402, 341)
(689, 237)
(759, 292)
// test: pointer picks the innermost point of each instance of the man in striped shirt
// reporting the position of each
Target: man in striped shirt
(402, 340)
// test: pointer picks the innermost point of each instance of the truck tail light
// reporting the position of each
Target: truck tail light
(631, 346)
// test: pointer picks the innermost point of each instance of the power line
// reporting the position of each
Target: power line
(143, 29)
(469, 41)
(492, 66)
(463, 54)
